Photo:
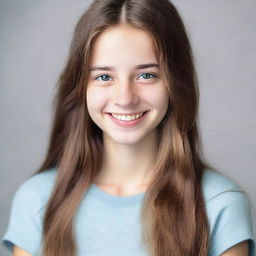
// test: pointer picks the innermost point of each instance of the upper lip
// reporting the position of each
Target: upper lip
(135, 113)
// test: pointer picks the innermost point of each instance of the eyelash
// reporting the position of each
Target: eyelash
(154, 76)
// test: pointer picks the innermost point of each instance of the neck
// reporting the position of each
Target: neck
(128, 167)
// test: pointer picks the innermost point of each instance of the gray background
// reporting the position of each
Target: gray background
(35, 37)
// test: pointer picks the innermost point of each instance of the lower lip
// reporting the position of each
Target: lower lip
(131, 123)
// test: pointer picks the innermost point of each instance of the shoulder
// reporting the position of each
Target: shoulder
(39, 182)
(229, 213)
(223, 196)
(36, 189)
(27, 210)
(215, 183)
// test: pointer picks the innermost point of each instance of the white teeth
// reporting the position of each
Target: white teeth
(127, 117)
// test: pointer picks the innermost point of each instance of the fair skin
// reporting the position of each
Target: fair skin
(126, 90)
(240, 249)
(128, 87)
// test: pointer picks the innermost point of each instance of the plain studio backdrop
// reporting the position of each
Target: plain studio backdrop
(34, 40)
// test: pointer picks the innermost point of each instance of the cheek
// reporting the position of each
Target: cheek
(157, 97)
(95, 99)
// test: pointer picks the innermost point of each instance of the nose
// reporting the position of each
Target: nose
(125, 94)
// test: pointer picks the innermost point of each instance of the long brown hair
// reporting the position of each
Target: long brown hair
(173, 216)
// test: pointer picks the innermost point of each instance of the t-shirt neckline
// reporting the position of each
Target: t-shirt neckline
(114, 199)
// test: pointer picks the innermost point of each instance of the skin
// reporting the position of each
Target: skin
(17, 251)
(241, 249)
(129, 152)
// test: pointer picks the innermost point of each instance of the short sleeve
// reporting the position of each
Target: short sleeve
(231, 222)
(24, 227)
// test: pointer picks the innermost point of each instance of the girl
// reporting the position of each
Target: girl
(123, 174)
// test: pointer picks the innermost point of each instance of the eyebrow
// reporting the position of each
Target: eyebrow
(108, 68)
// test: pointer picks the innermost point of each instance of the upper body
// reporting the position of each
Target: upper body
(127, 111)
(107, 224)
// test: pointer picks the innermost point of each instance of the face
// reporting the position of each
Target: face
(126, 96)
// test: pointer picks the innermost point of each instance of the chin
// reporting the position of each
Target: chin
(125, 139)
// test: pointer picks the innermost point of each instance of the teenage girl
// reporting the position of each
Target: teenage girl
(123, 174)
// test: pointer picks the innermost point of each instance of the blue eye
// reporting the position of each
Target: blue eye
(147, 75)
(103, 78)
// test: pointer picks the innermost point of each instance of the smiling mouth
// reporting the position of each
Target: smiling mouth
(127, 118)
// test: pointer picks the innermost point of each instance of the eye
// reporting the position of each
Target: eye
(147, 76)
(103, 77)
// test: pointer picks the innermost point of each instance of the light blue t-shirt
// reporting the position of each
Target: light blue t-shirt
(110, 225)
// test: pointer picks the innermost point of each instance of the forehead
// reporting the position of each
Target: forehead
(123, 44)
